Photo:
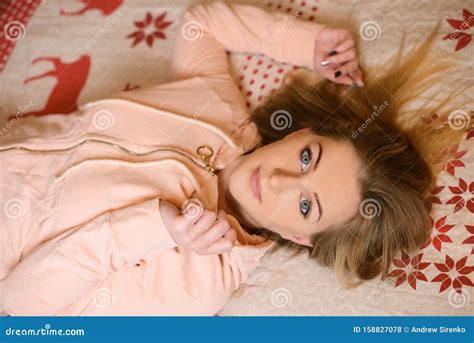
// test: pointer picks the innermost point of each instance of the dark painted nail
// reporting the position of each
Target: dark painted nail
(337, 73)
(332, 53)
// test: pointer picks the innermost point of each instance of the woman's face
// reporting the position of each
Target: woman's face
(307, 182)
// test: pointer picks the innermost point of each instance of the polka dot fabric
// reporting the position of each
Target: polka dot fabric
(14, 17)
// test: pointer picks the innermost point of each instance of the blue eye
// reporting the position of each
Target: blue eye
(305, 160)
(305, 157)
(305, 207)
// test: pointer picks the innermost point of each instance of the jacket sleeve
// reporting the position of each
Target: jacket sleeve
(57, 272)
(207, 32)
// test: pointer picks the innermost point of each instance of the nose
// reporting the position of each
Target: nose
(280, 180)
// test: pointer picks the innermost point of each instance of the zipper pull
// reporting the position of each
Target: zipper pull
(205, 157)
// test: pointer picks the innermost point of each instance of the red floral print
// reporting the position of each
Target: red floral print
(129, 87)
(461, 25)
(470, 239)
(470, 134)
(434, 197)
(461, 192)
(455, 162)
(415, 265)
(157, 26)
(440, 235)
(458, 281)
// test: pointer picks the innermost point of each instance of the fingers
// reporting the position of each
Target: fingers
(215, 232)
(342, 57)
(221, 246)
(207, 219)
(344, 79)
(347, 68)
(231, 235)
(357, 77)
(347, 44)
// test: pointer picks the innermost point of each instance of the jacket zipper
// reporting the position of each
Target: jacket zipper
(200, 152)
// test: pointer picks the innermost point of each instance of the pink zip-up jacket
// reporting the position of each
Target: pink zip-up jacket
(81, 231)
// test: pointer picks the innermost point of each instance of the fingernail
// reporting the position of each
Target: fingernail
(337, 73)
(325, 63)
(332, 53)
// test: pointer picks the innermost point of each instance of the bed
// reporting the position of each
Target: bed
(58, 55)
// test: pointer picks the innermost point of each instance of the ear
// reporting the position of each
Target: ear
(302, 240)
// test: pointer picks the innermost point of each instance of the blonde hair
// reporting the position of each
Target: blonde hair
(400, 156)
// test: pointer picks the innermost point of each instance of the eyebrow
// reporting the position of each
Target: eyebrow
(320, 209)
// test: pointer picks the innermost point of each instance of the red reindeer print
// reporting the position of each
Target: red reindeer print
(71, 79)
(106, 7)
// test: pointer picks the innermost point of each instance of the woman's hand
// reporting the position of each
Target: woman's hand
(197, 229)
(335, 57)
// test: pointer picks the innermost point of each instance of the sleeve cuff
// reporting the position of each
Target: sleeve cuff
(140, 230)
(297, 43)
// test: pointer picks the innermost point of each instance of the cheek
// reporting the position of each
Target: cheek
(238, 186)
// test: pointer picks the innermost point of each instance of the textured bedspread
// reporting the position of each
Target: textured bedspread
(57, 55)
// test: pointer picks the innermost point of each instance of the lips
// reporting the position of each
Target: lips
(255, 184)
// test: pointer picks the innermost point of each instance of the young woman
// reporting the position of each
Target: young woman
(161, 201)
